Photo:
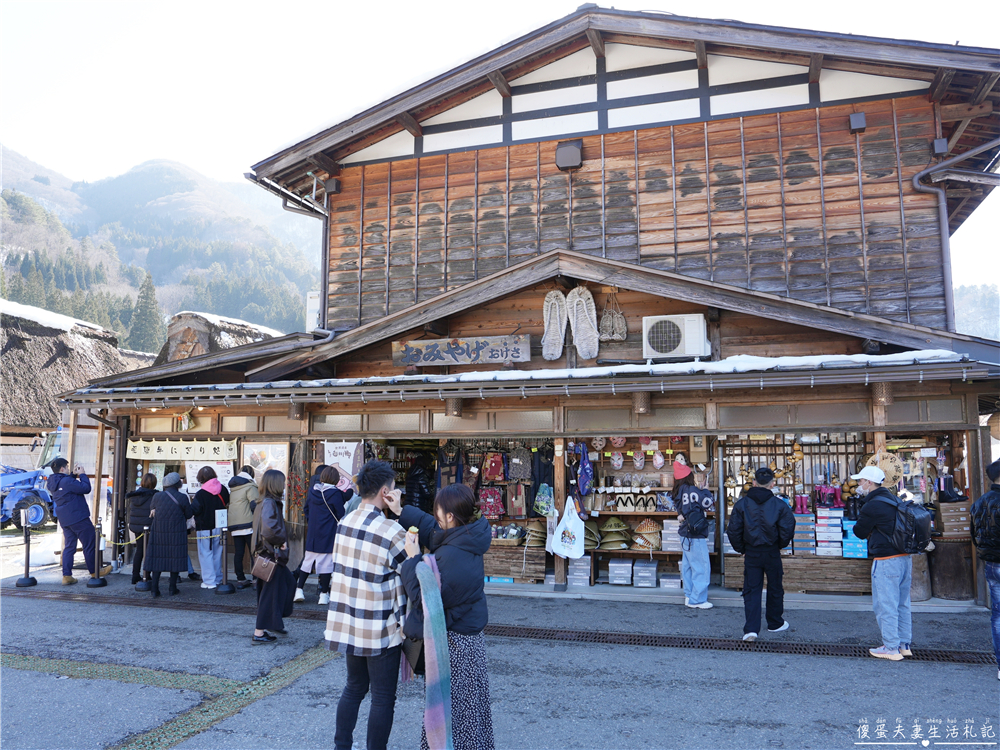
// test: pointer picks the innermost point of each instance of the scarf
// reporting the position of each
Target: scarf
(437, 707)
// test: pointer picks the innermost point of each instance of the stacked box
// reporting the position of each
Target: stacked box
(670, 540)
(829, 532)
(644, 573)
(853, 547)
(670, 581)
(620, 572)
(955, 519)
(578, 573)
(804, 539)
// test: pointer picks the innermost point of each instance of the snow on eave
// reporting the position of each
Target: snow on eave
(45, 317)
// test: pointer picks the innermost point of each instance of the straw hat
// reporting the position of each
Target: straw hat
(614, 524)
(613, 545)
(616, 536)
(641, 543)
(648, 526)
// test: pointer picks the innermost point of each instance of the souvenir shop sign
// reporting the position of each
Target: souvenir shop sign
(483, 350)
(181, 450)
(347, 457)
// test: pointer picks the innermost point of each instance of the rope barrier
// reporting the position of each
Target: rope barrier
(108, 541)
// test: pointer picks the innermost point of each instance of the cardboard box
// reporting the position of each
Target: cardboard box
(961, 507)
(501, 579)
(804, 517)
(823, 536)
(829, 513)
(856, 553)
(829, 551)
(667, 582)
(828, 545)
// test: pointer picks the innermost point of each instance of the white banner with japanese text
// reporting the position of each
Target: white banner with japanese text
(182, 450)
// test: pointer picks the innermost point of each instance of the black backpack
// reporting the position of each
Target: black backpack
(912, 532)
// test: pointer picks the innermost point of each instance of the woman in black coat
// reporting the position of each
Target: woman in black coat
(167, 550)
(138, 519)
(324, 508)
(458, 536)
(270, 540)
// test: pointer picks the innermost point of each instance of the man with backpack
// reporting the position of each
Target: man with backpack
(986, 537)
(891, 567)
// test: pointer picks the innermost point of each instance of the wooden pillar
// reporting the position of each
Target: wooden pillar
(98, 468)
(559, 496)
(878, 417)
(70, 446)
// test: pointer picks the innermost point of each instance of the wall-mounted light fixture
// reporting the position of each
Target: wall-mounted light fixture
(453, 407)
(858, 124)
(640, 402)
(882, 394)
(569, 154)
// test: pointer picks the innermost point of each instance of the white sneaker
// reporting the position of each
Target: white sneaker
(207, 585)
(784, 626)
(703, 605)
(750, 637)
(300, 596)
(687, 602)
(324, 598)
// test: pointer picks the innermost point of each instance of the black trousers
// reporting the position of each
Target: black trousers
(174, 579)
(324, 580)
(241, 544)
(140, 550)
(756, 564)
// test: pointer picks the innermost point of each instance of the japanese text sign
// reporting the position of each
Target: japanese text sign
(484, 350)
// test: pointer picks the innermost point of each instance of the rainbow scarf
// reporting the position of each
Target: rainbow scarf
(437, 707)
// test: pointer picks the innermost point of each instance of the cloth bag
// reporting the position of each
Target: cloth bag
(568, 539)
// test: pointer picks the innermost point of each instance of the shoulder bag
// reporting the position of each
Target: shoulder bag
(263, 568)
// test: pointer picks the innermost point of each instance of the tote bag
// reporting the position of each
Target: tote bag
(568, 539)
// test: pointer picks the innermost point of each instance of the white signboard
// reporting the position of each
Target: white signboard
(347, 457)
(223, 470)
(181, 450)
(222, 519)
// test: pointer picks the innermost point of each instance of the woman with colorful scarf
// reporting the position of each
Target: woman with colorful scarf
(448, 611)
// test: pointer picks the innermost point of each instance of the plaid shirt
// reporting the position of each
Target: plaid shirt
(367, 600)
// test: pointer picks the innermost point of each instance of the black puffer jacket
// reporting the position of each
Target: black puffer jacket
(459, 554)
(986, 525)
(138, 508)
(760, 522)
(205, 504)
(420, 482)
(876, 522)
(168, 547)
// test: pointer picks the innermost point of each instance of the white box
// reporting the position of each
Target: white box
(670, 583)
(826, 536)
(829, 513)
(829, 551)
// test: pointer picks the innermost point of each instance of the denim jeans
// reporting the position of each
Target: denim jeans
(695, 570)
(993, 579)
(380, 673)
(210, 557)
(891, 599)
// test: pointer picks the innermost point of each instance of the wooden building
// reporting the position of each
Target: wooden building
(778, 202)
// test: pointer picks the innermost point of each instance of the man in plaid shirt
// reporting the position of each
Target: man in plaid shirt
(367, 605)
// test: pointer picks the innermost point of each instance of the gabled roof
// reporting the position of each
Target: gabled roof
(942, 65)
(596, 270)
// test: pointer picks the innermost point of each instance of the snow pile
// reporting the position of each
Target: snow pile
(44, 317)
(220, 320)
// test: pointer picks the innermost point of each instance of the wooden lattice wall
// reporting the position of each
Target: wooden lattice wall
(782, 212)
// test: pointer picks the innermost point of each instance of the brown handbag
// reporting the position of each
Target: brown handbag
(263, 568)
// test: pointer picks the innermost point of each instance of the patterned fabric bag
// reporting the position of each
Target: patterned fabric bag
(491, 502)
(493, 468)
(520, 464)
(545, 504)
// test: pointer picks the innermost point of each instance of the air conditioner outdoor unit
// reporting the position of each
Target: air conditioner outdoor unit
(674, 336)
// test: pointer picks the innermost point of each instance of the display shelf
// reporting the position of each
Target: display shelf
(663, 513)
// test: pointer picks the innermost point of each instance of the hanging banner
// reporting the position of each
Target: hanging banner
(182, 450)
(347, 457)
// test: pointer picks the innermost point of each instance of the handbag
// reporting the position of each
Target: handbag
(263, 568)
(413, 650)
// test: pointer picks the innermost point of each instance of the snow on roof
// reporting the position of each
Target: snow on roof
(737, 364)
(44, 317)
(221, 320)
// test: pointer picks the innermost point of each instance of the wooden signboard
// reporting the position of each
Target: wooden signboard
(485, 350)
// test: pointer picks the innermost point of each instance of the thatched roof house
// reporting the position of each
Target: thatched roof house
(43, 354)
(190, 334)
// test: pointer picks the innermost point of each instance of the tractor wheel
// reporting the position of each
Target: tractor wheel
(38, 512)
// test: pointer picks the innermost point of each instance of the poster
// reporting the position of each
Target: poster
(223, 470)
(347, 457)
(158, 470)
(263, 457)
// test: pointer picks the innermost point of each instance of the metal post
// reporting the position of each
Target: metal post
(225, 587)
(96, 581)
(145, 584)
(28, 579)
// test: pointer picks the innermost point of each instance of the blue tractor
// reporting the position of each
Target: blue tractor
(24, 490)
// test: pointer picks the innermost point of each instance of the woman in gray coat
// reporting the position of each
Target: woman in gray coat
(167, 550)
(270, 540)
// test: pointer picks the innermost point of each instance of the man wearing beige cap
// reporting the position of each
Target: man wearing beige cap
(891, 568)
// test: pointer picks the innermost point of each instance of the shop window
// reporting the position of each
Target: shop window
(281, 424)
(753, 416)
(474, 421)
(688, 416)
(156, 424)
(597, 420)
(405, 422)
(523, 421)
(336, 423)
(239, 424)
(851, 412)
(903, 412)
(946, 410)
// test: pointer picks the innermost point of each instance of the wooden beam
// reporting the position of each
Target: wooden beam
(325, 163)
(940, 84)
(967, 175)
(98, 470)
(953, 112)
(499, 83)
(815, 67)
(437, 328)
(701, 54)
(986, 83)
(412, 126)
(596, 42)
(956, 134)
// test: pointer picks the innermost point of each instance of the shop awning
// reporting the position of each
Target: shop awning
(734, 372)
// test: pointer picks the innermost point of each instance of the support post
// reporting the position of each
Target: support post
(27, 580)
(144, 583)
(98, 470)
(96, 581)
(225, 587)
(559, 496)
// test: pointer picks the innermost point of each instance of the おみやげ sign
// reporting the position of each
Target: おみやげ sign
(484, 350)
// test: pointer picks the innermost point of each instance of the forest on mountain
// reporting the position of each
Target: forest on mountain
(90, 249)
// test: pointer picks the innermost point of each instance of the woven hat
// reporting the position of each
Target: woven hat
(641, 543)
(614, 523)
(599, 443)
(648, 526)
(613, 545)
(619, 535)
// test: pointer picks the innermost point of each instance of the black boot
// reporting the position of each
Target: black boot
(156, 584)
(174, 579)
